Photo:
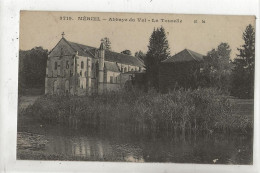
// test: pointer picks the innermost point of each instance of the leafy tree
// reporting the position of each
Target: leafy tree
(107, 43)
(140, 55)
(126, 52)
(244, 66)
(158, 50)
(217, 68)
(32, 68)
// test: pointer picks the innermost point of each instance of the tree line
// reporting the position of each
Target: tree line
(32, 69)
(235, 77)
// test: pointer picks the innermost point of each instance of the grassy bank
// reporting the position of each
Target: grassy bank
(204, 110)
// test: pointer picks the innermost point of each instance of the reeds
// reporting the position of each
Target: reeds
(182, 111)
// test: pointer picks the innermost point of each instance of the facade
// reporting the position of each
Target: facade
(78, 69)
(180, 70)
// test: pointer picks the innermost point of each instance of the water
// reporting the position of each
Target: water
(89, 144)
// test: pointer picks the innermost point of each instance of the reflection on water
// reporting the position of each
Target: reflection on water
(105, 146)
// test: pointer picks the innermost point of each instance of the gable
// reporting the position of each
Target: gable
(65, 47)
(185, 56)
(62, 48)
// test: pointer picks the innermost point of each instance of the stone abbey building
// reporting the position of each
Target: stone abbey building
(78, 69)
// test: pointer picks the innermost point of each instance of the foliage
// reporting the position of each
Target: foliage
(217, 68)
(158, 50)
(140, 55)
(126, 52)
(32, 68)
(179, 75)
(181, 110)
(244, 66)
(107, 43)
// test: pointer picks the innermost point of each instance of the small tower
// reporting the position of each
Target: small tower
(101, 68)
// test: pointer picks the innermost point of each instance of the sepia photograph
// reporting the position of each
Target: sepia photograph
(136, 87)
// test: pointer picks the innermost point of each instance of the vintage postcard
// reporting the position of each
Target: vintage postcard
(133, 87)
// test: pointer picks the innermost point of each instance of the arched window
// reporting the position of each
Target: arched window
(125, 69)
(82, 64)
(55, 65)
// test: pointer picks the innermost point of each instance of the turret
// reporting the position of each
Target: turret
(101, 68)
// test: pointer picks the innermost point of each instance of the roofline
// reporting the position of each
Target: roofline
(122, 63)
(68, 42)
(191, 54)
(172, 56)
(83, 49)
(55, 46)
(126, 55)
(165, 61)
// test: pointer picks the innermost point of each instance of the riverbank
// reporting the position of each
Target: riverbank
(180, 111)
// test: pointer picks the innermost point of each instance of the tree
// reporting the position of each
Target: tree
(32, 68)
(244, 66)
(158, 50)
(126, 52)
(107, 43)
(217, 68)
(140, 55)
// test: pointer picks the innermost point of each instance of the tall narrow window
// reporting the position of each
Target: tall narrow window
(67, 64)
(125, 69)
(111, 79)
(55, 65)
(82, 64)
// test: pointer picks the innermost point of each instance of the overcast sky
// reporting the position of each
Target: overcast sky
(45, 28)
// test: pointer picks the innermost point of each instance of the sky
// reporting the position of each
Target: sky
(45, 29)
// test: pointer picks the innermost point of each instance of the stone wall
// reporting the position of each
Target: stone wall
(63, 76)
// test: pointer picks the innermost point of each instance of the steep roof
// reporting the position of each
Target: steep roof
(185, 56)
(111, 66)
(84, 50)
(122, 58)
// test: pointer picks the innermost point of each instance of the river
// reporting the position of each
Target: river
(98, 145)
